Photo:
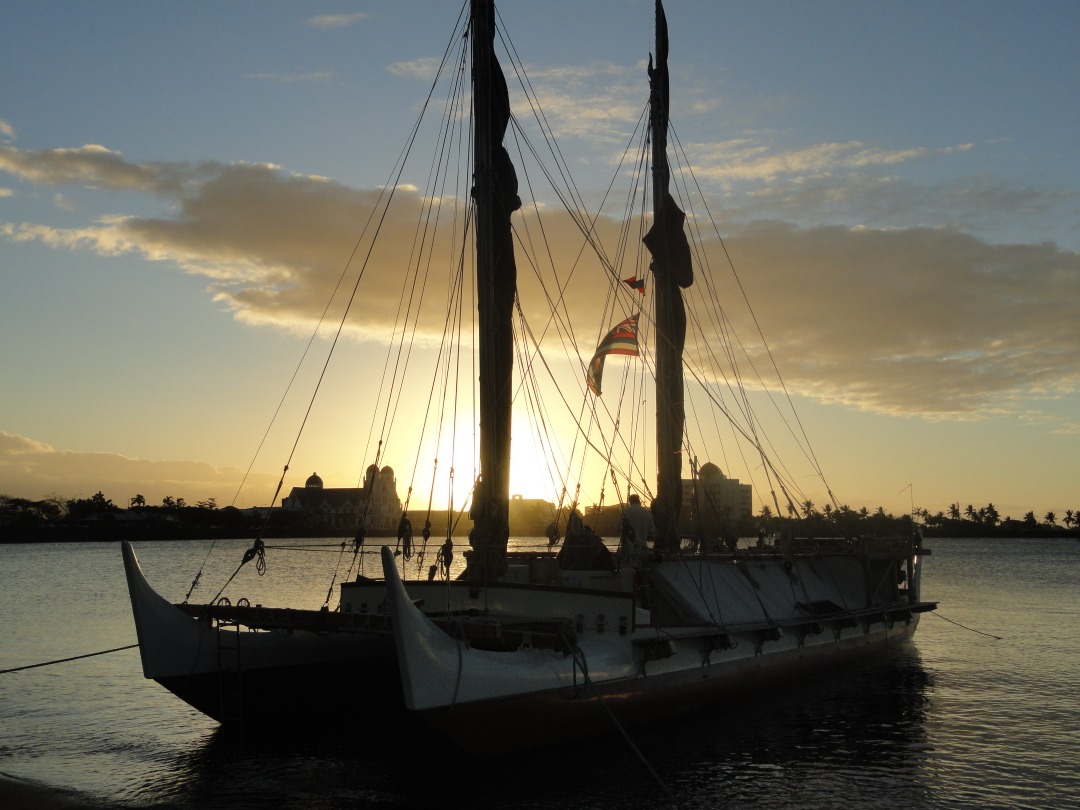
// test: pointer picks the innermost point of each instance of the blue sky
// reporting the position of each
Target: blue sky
(904, 171)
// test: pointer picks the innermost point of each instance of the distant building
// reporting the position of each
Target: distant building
(714, 498)
(376, 505)
(530, 517)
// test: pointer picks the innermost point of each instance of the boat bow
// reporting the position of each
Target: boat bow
(170, 641)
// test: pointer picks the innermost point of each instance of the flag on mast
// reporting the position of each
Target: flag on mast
(620, 340)
(636, 283)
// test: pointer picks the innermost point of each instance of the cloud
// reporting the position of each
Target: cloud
(424, 69)
(7, 130)
(574, 103)
(915, 320)
(92, 165)
(977, 204)
(34, 470)
(578, 106)
(328, 21)
(753, 159)
(290, 78)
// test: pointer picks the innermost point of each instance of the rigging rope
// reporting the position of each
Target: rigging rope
(65, 660)
(965, 627)
(579, 660)
(257, 550)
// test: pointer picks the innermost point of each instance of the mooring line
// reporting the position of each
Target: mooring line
(619, 726)
(972, 629)
(63, 660)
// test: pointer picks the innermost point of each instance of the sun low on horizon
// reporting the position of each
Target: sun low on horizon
(180, 193)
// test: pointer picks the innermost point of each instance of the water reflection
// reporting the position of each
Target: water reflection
(853, 738)
(856, 739)
(967, 721)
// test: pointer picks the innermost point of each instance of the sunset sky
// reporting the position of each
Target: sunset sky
(898, 184)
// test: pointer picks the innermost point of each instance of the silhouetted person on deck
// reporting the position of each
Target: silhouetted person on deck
(574, 523)
(585, 551)
(639, 530)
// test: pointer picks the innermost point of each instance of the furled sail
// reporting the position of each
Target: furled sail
(495, 193)
(672, 270)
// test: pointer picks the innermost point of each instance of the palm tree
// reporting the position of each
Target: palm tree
(1069, 518)
(1050, 519)
(808, 507)
(992, 515)
(954, 511)
(138, 502)
(971, 514)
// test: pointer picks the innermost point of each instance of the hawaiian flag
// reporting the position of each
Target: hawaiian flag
(620, 340)
(636, 284)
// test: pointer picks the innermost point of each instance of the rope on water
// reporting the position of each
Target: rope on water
(973, 630)
(64, 660)
(579, 659)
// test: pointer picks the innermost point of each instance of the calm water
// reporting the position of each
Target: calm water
(954, 719)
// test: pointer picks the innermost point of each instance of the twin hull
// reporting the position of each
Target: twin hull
(483, 663)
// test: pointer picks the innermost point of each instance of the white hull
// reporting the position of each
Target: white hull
(718, 626)
(247, 666)
(257, 667)
(254, 666)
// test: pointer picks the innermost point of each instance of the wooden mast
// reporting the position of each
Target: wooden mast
(672, 270)
(495, 196)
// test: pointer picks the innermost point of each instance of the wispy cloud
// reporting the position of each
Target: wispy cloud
(590, 102)
(423, 69)
(337, 20)
(290, 78)
(754, 159)
(92, 165)
(978, 204)
(7, 130)
(586, 102)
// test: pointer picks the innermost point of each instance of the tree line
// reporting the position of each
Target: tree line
(56, 508)
(953, 520)
(97, 517)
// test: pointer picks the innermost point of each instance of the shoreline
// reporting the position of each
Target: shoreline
(24, 794)
(67, 537)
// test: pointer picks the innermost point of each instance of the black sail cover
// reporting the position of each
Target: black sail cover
(673, 271)
(496, 199)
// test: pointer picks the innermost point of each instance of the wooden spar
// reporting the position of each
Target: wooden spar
(671, 267)
(495, 196)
